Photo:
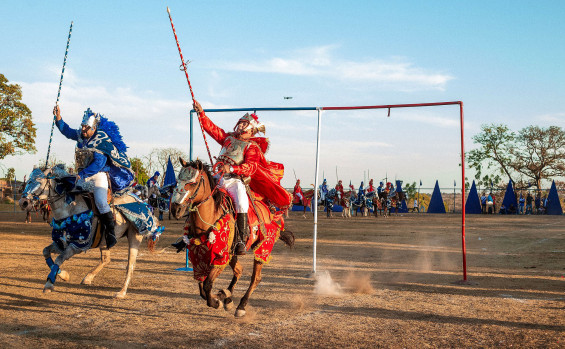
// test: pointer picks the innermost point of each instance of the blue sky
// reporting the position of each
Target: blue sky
(503, 59)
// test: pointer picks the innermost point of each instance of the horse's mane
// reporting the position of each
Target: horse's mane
(218, 195)
(59, 171)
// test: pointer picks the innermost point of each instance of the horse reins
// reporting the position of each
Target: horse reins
(192, 208)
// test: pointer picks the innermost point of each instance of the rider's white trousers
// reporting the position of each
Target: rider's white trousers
(100, 181)
(236, 189)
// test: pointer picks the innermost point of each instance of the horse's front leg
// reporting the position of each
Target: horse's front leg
(211, 300)
(134, 240)
(201, 290)
(255, 280)
(56, 266)
(47, 251)
(226, 294)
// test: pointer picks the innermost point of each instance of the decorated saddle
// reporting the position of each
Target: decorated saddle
(76, 231)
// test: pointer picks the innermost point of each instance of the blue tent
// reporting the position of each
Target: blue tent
(553, 203)
(403, 207)
(300, 208)
(510, 197)
(436, 202)
(170, 178)
(473, 203)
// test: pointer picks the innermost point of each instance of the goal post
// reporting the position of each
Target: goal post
(318, 139)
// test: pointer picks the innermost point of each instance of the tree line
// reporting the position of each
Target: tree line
(526, 157)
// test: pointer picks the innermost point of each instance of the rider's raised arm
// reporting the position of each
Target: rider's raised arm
(68, 132)
(98, 162)
(212, 129)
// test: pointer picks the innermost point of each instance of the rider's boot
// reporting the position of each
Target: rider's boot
(243, 232)
(107, 220)
(179, 245)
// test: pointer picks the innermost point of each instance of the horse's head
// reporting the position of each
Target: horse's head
(193, 186)
(153, 191)
(35, 188)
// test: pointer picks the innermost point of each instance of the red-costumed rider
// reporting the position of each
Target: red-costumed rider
(298, 194)
(243, 155)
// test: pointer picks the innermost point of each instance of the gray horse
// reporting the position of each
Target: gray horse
(44, 185)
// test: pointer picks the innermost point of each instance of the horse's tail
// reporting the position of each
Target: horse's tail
(287, 237)
(151, 245)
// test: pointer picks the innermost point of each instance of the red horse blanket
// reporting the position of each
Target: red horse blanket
(212, 250)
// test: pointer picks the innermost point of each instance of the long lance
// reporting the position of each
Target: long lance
(295, 175)
(59, 93)
(189, 85)
(336, 175)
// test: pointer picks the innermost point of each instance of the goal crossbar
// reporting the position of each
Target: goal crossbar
(386, 106)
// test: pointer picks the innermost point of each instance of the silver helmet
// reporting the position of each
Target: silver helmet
(90, 119)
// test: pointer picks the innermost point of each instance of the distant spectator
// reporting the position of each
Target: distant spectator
(416, 207)
(490, 203)
(521, 202)
(544, 202)
(537, 203)
(529, 200)
(484, 203)
(502, 209)
(512, 209)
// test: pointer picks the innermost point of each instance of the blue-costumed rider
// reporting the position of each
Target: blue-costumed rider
(380, 188)
(100, 154)
(361, 193)
(324, 190)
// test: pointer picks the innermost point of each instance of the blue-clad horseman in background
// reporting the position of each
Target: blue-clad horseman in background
(101, 159)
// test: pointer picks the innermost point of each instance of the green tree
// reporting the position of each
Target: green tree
(11, 174)
(17, 130)
(138, 168)
(540, 153)
(410, 189)
(494, 156)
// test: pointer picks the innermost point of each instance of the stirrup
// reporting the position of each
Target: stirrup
(240, 249)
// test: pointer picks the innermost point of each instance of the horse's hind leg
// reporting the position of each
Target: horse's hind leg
(134, 240)
(255, 280)
(226, 295)
(104, 260)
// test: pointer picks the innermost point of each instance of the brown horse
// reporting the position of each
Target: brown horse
(306, 201)
(210, 233)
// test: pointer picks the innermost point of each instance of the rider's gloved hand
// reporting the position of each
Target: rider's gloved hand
(68, 183)
(197, 107)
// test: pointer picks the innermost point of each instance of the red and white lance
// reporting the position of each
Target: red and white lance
(189, 85)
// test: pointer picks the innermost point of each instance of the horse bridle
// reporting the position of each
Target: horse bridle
(188, 201)
(49, 187)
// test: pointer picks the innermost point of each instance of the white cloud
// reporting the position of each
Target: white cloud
(555, 118)
(438, 121)
(397, 72)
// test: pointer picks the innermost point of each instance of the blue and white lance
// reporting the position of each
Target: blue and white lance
(59, 93)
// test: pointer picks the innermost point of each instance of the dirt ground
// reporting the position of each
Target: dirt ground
(379, 283)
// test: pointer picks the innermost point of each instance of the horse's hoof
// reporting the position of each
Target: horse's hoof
(214, 305)
(228, 304)
(120, 295)
(226, 292)
(64, 275)
(49, 288)
(239, 313)
(86, 280)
